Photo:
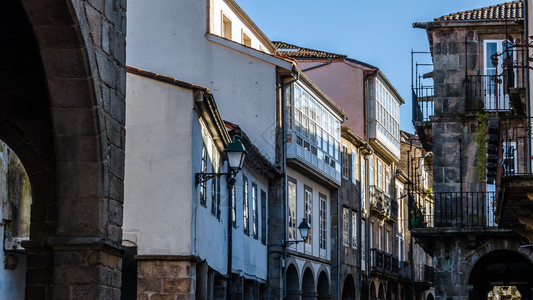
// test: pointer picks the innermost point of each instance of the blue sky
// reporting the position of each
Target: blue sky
(378, 32)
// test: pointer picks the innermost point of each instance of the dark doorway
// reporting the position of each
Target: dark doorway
(501, 268)
(293, 285)
(348, 288)
(129, 274)
(323, 286)
(308, 285)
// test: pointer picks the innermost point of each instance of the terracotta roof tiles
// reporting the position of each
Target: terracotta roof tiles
(301, 52)
(507, 10)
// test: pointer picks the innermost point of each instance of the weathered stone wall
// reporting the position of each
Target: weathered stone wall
(166, 279)
(456, 257)
(67, 127)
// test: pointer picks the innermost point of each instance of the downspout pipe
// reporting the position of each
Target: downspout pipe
(296, 77)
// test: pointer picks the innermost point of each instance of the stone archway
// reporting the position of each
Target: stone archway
(62, 113)
(348, 288)
(501, 267)
(293, 283)
(308, 285)
(323, 286)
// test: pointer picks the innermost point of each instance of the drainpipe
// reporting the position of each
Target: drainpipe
(296, 76)
(528, 88)
(230, 241)
(339, 208)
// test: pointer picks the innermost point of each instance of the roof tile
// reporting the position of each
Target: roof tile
(507, 10)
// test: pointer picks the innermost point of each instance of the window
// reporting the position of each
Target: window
(495, 91)
(226, 27)
(363, 183)
(292, 210)
(255, 220)
(263, 217)
(387, 181)
(345, 226)
(245, 206)
(308, 212)
(354, 167)
(354, 229)
(509, 158)
(323, 222)
(371, 235)
(380, 237)
(317, 130)
(386, 113)
(363, 245)
(380, 182)
(246, 40)
(233, 207)
(215, 184)
(203, 185)
(371, 173)
(344, 162)
(388, 239)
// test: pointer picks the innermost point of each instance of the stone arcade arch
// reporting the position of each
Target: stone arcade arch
(293, 283)
(62, 112)
(501, 267)
(308, 285)
(348, 288)
(323, 286)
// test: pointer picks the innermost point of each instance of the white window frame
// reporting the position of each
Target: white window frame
(308, 213)
(354, 229)
(292, 202)
(346, 226)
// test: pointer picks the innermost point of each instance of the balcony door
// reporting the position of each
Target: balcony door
(496, 97)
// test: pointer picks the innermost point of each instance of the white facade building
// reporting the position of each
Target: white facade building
(184, 39)
(313, 178)
(175, 132)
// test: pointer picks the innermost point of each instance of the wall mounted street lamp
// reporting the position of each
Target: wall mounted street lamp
(236, 153)
(304, 228)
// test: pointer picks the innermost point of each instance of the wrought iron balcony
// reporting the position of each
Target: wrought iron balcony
(423, 103)
(383, 262)
(456, 210)
(514, 175)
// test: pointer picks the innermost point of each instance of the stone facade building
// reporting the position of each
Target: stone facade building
(475, 103)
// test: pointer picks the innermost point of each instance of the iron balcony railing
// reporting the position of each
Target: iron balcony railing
(456, 209)
(384, 262)
(423, 104)
(424, 273)
(514, 148)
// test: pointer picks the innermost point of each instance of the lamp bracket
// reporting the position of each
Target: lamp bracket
(204, 177)
(286, 244)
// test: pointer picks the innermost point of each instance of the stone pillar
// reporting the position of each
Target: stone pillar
(276, 233)
(166, 276)
(86, 268)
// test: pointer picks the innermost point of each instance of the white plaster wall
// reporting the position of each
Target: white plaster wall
(209, 234)
(12, 282)
(168, 37)
(249, 255)
(317, 188)
(237, 25)
(158, 179)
